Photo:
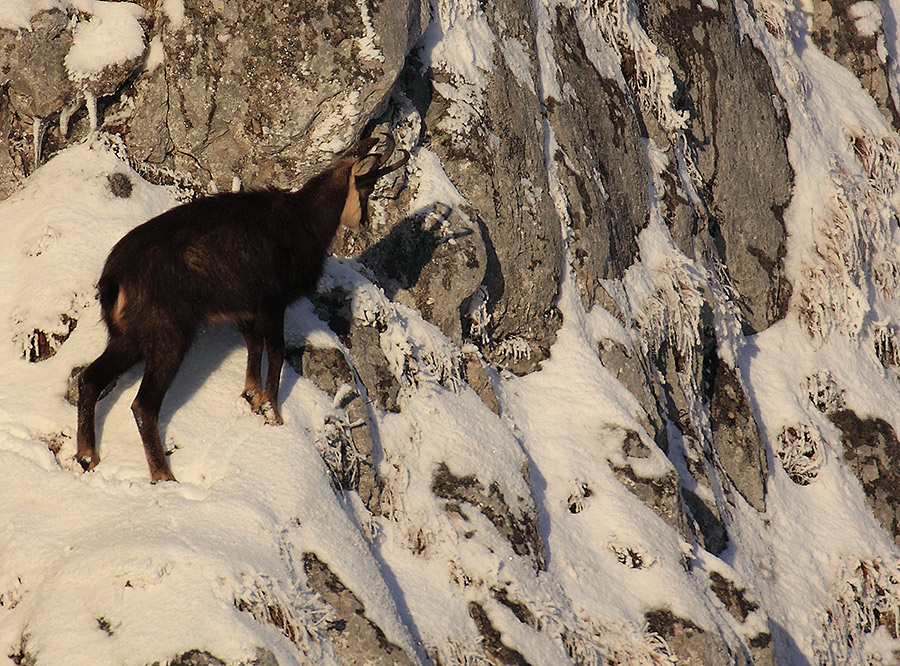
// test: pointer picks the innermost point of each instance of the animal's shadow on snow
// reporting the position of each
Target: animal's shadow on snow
(210, 349)
(396, 262)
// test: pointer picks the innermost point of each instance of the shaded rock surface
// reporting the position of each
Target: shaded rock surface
(356, 639)
(600, 157)
(736, 437)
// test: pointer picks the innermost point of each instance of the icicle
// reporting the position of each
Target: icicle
(66, 115)
(38, 127)
(342, 393)
(90, 101)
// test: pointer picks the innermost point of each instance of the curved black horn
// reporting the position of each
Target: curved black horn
(360, 148)
(378, 173)
(388, 150)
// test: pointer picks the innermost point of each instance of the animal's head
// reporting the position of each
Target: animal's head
(363, 169)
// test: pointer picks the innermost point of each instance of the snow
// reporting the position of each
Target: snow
(103, 567)
(519, 64)
(866, 16)
(111, 35)
(174, 11)
(156, 54)
(17, 14)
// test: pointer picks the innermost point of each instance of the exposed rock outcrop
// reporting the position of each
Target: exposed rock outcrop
(726, 88)
(256, 91)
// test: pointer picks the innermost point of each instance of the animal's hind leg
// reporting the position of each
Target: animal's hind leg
(118, 356)
(158, 376)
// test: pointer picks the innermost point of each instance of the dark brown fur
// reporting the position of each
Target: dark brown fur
(236, 257)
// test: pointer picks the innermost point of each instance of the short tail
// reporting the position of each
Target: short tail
(112, 302)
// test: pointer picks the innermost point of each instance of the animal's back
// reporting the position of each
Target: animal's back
(208, 258)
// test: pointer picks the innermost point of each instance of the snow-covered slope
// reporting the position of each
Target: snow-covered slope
(611, 379)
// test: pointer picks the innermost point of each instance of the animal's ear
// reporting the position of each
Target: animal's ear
(354, 206)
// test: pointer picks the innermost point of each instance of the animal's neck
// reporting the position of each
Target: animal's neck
(319, 205)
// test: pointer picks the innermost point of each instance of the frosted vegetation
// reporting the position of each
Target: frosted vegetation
(104, 568)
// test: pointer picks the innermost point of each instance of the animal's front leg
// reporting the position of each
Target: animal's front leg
(253, 392)
(274, 335)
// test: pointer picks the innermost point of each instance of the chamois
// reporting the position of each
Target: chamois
(238, 257)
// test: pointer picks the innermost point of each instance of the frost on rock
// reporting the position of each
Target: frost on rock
(106, 47)
(860, 621)
(800, 450)
(300, 617)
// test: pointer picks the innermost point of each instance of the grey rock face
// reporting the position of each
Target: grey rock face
(356, 639)
(12, 171)
(711, 532)
(858, 46)
(204, 658)
(661, 494)
(365, 352)
(726, 85)
(434, 260)
(600, 164)
(521, 530)
(736, 437)
(255, 90)
(34, 67)
(38, 87)
(498, 165)
(34, 85)
(690, 643)
(348, 443)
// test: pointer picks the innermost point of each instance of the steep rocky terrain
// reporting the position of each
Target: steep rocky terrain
(612, 376)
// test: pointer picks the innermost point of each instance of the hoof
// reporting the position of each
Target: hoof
(254, 398)
(87, 463)
(270, 413)
(156, 478)
(265, 408)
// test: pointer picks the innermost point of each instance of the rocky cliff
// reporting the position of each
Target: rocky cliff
(610, 378)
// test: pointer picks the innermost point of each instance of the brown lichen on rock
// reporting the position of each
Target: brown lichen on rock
(872, 450)
(521, 530)
(356, 638)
